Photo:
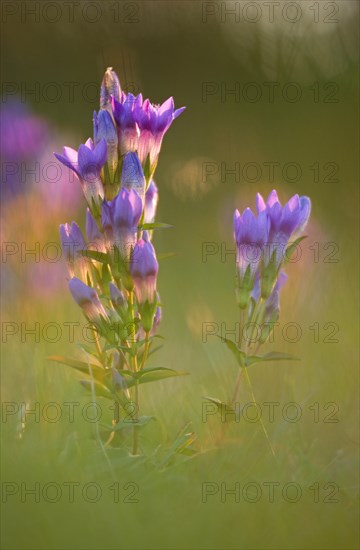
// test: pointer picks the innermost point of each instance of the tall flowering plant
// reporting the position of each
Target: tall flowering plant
(265, 242)
(113, 269)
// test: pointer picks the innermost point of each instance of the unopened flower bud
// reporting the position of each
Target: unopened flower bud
(110, 86)
(104, 128)
(132, 176)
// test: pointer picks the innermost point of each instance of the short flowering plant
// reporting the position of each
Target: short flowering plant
(265, 242)
(113, 269)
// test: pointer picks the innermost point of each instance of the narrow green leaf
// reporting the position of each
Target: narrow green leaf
(96, 255)
(154, 350)
(181, 445)
(215, 400)
(290, 249)
(230, 414)
(100, 389)
(147, 169)
(157, 373)
(165, 255)
(151, 374)
(125, 372)
(238, 354)
(88, 349)
(128, 422)
(272, 356)
(156, 225)
(220, 404)
(82, 366)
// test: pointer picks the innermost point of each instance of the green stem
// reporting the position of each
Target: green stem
(134, 364)
(256, 316)
(237, 387)
(98, 348)
(254, 400)
(243, 347)
(97, 431)
(135, 448)
(136, 398)
(146, 351)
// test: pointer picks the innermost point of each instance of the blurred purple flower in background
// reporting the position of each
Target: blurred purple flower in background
(32, 182)
(23, 137)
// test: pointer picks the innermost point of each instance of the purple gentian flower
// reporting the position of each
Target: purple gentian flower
(119, 382)
(124, 114)
(93, 234)
(272, 304)
(155, 320)
(117, 297)
(132, 176)
(144, 269)
(120, 219)
(88, 299)
(251, 233)
(104, 128)
(110, 86)
(285, 221)
(157, 316)
(151, 201)
(87, 164)
(73, 243)
(153, 122)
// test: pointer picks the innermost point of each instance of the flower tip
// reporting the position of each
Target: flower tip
(110, 86)
(305, 202)
(260, 203)
(74, 225)
(178, 112)
(248, 213)
(273, 198)
(63, 229)
(293, 203)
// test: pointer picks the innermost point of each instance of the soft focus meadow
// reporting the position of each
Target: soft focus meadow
(271, 102)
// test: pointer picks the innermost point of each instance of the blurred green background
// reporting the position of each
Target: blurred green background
(194, 51)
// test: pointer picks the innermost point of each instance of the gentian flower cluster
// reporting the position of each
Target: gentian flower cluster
(113, 269)
(262, 243)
